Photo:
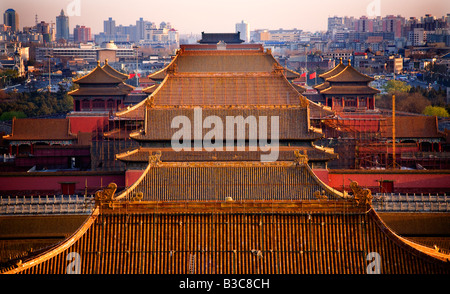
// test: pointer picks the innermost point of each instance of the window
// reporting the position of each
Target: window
(350, 102)
(98, 104)
(85, 105)
(362, 102)
(111, 104)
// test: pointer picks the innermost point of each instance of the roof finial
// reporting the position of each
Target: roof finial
(340, 60)
(106, 61)
(349, 61)
(98, 62)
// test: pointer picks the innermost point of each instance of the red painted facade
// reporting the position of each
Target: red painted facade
(87, 124)
(131, 176)
(403, 181)
(50, 183)
(53, 183)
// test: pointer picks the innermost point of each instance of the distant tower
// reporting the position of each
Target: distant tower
(244, 28)
(140, 29)
(11, 18)
(62, 26)
(82, 34)
(109, 27)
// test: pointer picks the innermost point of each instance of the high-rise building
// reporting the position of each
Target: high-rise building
(11, 19)
(365, 24)
(140, 29)
(244, 29)
(393, 24)
(335, 22)
(417, 36)
(109, 27)
(62, 26)
(46, 31)
(81, 34)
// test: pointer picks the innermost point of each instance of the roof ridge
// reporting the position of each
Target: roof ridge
(328, 73)
(58, 247)
(97, 70)
(348, 70)
(113, 71)
(407, 244)
(154, 75)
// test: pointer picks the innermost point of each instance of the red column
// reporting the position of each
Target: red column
(10, 149)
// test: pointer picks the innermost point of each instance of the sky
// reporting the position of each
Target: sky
(218, 16)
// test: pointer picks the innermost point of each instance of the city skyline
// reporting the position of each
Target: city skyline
(196, 16)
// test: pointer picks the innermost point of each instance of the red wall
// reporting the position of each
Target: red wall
(404, 181)
(131, 176)
(87, 124)
(50, 183)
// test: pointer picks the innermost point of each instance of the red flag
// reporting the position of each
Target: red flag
(312, 76)
(303, 75)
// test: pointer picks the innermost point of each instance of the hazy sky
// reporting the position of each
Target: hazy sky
(195, 16)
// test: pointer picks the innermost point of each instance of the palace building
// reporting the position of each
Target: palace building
(347, 90)
(207, 210)
(100, 93)
(242, 82)
(103, 89)
(183, 219)
(47, 144)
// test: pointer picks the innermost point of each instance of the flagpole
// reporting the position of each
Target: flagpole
(306, 64)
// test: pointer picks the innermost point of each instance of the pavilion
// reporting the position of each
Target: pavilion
(197, 212)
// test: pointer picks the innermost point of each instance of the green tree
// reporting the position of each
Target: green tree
(10, 114)
(37, 104)
(66, 103)
(436, 111)
(8, 76)
(394, 86)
